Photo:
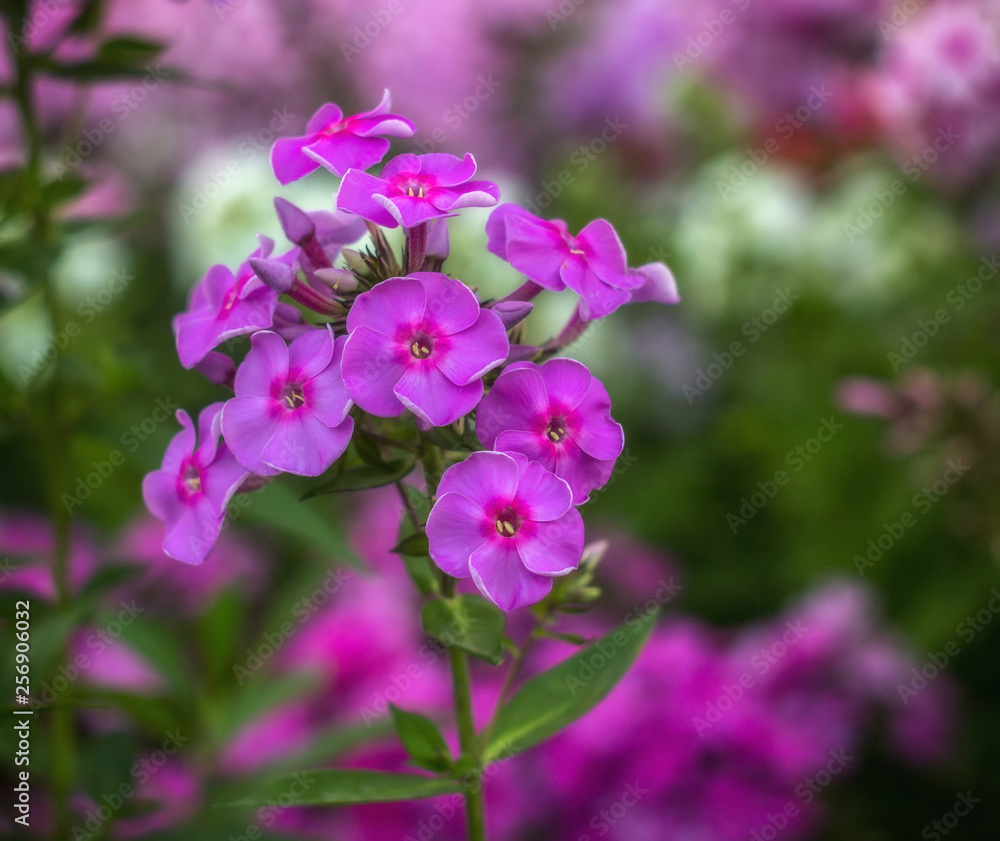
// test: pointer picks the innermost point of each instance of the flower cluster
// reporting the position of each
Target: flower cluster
(347, 341)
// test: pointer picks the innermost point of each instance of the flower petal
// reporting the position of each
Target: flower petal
(289, 161)
(264, 366)
(194, 534)
(567, 382)
(326, 394)
(159, 492)
(537, 250)
(532, 445)
(304, 445)
(474, 351)
(544, 495)
(605, 253)
(345, 151)
(247, 425)
(447, 170)
(454, 531)
(470, 194)
(181, 445)
(451, 305)
(430, 395)
(325, 116)
(356, 196)
(310, 354)
(556, 547)
(500, 575)
(658, 284)
(583, 473)
(391, 306)
(371, 371)
(488, 479)
(597, 298)
(518, 400)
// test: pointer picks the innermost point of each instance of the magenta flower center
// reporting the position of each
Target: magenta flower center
(556, 430)
(411, 185)
(421, 346)
(508, 522)
(292, 396)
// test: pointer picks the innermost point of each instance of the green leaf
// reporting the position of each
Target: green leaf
(416, 544)
(367, 449)
(365, 476)
(422, 740)
(129, 50)
(87, 18)
(279, 507)
(343, 788)
(218, 631)
(554, 699)
(467, 622)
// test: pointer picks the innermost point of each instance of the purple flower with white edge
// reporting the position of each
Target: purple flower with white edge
(558, 415)
(592, 263)
(223, 305)
(423, 343)
(191, 490)
(289, 414)
(507, 522)
(413, 189)
(339, 143)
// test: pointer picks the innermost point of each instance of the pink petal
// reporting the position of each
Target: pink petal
(288, 159)
(391, 306)
(500, 575)
(582, 472)
(545, 495)
(447, 170)
(192, 537)
(470, 194)
(326, 116)
(556, 547)
(247, 425)
(388, 125)
(474, 351)
(605, 253)
(222, 478)
(597, 299)
(658, 284)
(371, 371)
(451, 305)
(264, 366)
(181, 445)
(455, 531)
(410, 211)
(430, 395)
(488, 479)
(304, 445)
(567, 382)
(599, 436)
(405, 164)
(310, 354)
(496, 228)
(518, 400)
(537, 251)
(344, 151)
(326, 394)
(533, 445)
(159, 492)
(355, 196)
(209, 431)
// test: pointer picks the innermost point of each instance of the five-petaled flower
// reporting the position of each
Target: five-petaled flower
(223, 305)
(413, 189)
(191, 490)
(289, 414)
(592, 263)
(339, 143)
(507, 522)
(423, 343)
(557, 414)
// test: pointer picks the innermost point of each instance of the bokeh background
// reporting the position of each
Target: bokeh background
(810, 482)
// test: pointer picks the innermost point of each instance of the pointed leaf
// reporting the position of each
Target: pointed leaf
(342, 788)
(422, 740)
(467, 622)
(554, 699)
(364, 476)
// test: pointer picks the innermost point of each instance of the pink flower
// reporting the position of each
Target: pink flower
(422, 343)
(557, 414)
(413, 189)
(339, 143)
(290, 410)
(192, 489)
(592, 263)
(224, 305)
(508, 523)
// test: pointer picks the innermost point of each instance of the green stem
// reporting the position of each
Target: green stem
(475, 818)
(52, 423)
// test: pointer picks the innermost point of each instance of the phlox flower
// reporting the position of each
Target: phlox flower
(191, 490)
(423, 343)
(413, 189)
(592, 263)
(289, 414)
(507, 522)
(557, 414)
(339, 143)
